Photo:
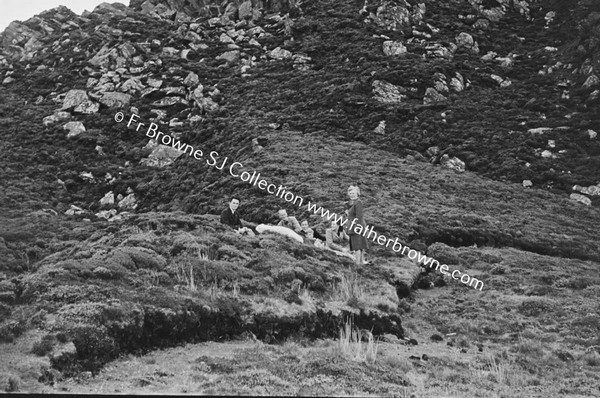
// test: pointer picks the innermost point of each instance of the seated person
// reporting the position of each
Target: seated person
(288, 221)
(230, 216)
(310, 234)
(335, 239)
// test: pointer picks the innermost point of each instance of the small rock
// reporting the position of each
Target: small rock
(432, 96)
(129, 202)
(115, 99)
(74, 98)
(393, 48)
(592, 134)
(457, 83)
(539, 130)
(591, 81)
(581, 199)
(191, 80)
(280, 54)
(527, 184)
(75, 128)
(387, 93)
(230, 56)
(224, 38)
(380, 129)
(8, 80)
(466, 41)
(547, 154)
(481, 23)
(56, 117)
(155, 83)
(453, 163)
(108, 199)
(87, 107)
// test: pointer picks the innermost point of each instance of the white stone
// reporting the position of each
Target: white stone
(393, 48)
(581, 199)
(74, 128)
(108, 199)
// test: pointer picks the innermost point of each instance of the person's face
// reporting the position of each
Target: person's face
(304, 224)
(334, 225)
(352, 194)
(283, 215)
(234, 204)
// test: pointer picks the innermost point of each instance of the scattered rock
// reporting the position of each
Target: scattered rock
(224, 38)
(230, 56)
(169, 101)
(398, 15)
(527, 184)
(592, 134)
(74, 210)
(466, 41)
(547, 154)
(453, 163)
(74, 98)
(393, 48)
(75, 128)
(280, 53)
(108, 199)
(457, 83)
(380, 129)
(161, 155)
(8, 80)
(432, 96)
(191, 80)
(581, 199)
(56, 117)
(128, 202)
(539, 130)
(592, 190)
(115, 100)
(501, 81)
(132, 85)
(87, 107)
(591, 81)
(388, 93)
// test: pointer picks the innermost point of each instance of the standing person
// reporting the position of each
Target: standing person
(231, 217)
(358, 243)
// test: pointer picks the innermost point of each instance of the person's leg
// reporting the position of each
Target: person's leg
(358, 257)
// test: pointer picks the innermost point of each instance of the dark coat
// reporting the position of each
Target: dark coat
(231, 219)
(357, 242)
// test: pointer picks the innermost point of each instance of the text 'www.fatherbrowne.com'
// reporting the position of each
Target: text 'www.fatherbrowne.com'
(237, 170)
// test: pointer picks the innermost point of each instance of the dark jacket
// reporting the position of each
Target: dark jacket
(231, 219)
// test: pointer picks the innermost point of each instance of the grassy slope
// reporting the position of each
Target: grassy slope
(418, 202)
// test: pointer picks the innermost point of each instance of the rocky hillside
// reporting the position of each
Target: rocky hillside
(466, 123)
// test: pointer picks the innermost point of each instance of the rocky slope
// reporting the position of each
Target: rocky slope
(465, 123)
